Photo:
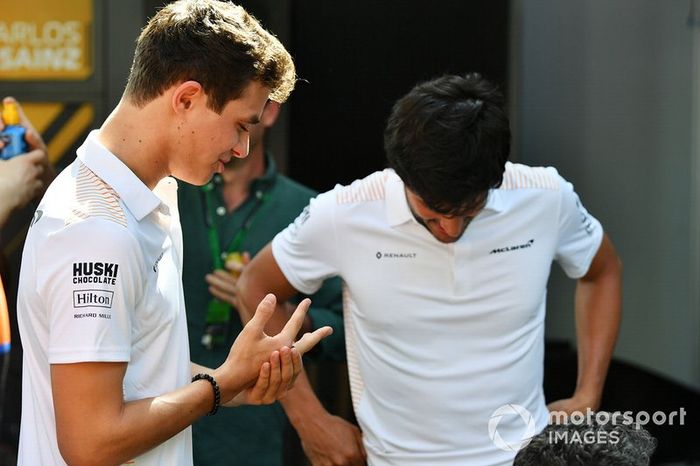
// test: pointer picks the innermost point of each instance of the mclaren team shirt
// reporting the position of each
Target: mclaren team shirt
(101, 281)
(444, 341)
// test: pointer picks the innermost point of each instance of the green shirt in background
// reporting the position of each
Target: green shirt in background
(247, 435)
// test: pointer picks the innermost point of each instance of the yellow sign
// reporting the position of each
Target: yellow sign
(68, 122)
(46, 39)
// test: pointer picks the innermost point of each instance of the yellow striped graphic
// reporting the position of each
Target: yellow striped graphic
(78, 123)
(42, 114)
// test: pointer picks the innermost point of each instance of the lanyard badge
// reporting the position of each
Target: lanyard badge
(218, 312)
(216, 327)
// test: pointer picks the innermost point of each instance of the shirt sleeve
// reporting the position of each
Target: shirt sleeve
(580, 234)
(90, 283)
(306, 250)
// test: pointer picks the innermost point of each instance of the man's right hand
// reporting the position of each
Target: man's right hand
(253, 348)
(331, 441)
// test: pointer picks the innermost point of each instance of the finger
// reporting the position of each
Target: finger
(246, 257)
(222, 279)
(233, 259)
(38, 170)
(34, 139)
(235, 265)
(291, 328)
(36, 156)
(309, 340)
(257, 393)
(286, 371)
(224, 291)
(297, 365)
(275, 378)
(263, 313)
(297, 362)
(222, 295)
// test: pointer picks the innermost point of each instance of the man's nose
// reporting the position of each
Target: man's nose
(241, 149)
(453, 226)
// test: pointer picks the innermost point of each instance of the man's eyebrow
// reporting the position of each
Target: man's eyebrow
(253, 120)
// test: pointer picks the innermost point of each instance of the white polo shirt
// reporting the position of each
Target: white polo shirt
(439, 335)
(101, 281)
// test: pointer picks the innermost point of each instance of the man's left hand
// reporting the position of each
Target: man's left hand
(577, 403)
(223, 284)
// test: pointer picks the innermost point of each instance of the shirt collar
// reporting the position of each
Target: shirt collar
(136, 196)
(495, 201)
(399, 212)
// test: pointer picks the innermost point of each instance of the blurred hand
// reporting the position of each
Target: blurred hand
(223, 284)
(25, 177)
(577, 403)
(331, 441)
(20, 180)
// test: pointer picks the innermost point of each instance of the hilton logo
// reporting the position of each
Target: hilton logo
(92, 298)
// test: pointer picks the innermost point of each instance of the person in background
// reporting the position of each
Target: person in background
(229, 220)
(22, 179)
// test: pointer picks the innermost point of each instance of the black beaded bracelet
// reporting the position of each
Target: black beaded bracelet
(217, 392)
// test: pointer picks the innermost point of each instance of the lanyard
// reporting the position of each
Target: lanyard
(218, 312)
(213, 238)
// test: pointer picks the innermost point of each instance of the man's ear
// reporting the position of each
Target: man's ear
(270, 114)
(186, 95)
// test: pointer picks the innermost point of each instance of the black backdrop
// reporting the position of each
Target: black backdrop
(357, 57)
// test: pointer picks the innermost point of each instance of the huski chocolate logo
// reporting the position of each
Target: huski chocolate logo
(95, 272)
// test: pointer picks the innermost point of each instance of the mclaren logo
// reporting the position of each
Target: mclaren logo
(300, 220)
(513, 248)
(586, 221)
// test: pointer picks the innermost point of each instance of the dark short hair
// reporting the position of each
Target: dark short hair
(565, 445)
(449, 139)
(215, 43)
